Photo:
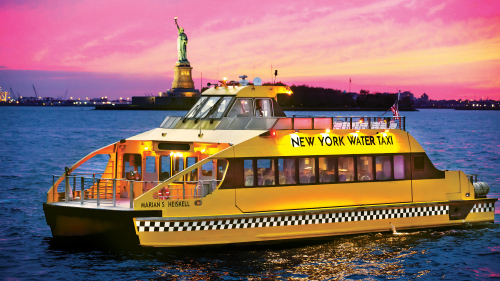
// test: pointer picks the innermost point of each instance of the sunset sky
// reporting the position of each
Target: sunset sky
(447, 49)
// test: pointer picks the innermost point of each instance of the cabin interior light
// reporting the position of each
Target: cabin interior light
(176, 154)
(146, 148)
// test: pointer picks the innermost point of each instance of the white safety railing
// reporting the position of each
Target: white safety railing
(94, 189)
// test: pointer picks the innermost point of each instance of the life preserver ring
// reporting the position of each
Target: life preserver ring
(163, 193)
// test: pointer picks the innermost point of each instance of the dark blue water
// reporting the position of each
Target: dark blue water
(38, 142)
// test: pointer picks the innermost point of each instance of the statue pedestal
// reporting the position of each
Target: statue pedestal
(183, 85)
(182, 76)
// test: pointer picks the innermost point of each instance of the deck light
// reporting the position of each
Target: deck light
(387, 130)
(146, 148)
(327, 131)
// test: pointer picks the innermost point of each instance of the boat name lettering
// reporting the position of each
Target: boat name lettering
(152, 204)
(326, 140)
(178, 204)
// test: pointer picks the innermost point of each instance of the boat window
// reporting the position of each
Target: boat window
(195, 108)
(346, 169)
(221, 168)
(207, 169)
(207, 107)
(241, 108)
(178, 165)
(263, 108)
(193, 175)
(132, 163)
(221, 108)
(150, 164)
(164, 167)
(365, 168)
(383, 167)
(306, 170)
(286, 169)
(399, 167)
(418, 163)
(248, 172)
(327, 168)
(265, 172)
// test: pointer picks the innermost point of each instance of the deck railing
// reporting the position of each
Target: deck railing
(340, 122)
(78, 187)
(472, 177)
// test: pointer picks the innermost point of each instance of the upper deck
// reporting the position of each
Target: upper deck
(256, 108)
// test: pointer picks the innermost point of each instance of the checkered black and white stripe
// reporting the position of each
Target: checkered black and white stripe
(483, 207)
(161, 226)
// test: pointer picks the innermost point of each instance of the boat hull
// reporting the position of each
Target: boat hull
(282, 226)
(107, 225)
(150, 229)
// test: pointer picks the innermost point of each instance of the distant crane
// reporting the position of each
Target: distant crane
(65, 94)
(12, 92)
(35, 92)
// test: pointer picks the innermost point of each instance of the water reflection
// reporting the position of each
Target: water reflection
(372, 256)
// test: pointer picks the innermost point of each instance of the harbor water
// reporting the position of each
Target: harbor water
(38, 142)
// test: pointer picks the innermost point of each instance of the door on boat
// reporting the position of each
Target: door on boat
(150, 173)
(207, 174)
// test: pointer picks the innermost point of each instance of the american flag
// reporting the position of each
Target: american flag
(395, 111)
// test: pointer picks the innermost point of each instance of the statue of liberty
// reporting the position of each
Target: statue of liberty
(182, 41)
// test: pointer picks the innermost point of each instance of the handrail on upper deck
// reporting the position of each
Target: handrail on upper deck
(340, 122)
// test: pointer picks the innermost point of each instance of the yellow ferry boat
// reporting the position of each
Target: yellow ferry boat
(235, 169)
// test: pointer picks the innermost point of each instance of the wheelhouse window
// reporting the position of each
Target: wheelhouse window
(263, 108)
(164, 167)
(365, 168)
(241, 108)
(265, 172)
(327, 167)
(399, 167)
(207, 107)
(221, 108)
(132, 164)
(196, 107)
(383, 167)
(286, 169)
(346, 168)
(307, 171)
(248, 172)
(193, 175)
